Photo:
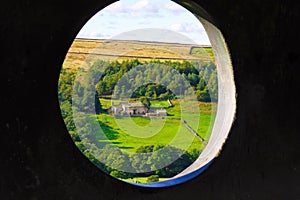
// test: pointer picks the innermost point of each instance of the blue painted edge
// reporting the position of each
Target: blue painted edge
(175, 181)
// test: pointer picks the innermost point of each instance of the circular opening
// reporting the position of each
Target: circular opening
(146, 96)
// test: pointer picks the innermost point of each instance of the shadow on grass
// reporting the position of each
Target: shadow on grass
(104, 111)
(109, 132)
(123, 147)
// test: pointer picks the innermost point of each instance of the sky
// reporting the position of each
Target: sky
(121, 17)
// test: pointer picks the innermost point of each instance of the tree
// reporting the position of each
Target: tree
(101, 88)
(193, 79)
(67, 114)
(151, 91)
(201, 85)
(65, 85)
(146, 102)
(203, 95)
(114, 158)
(116, 92)
(118, 174)
(98, 106)
(88, 100)
(139, 162)
(164, 96)
(87, 127)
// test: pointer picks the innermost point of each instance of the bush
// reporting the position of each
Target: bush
(152, 178)
(118, 174)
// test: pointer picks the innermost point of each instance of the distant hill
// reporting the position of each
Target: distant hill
(125, 49)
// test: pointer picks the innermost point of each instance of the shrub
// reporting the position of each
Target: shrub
(152, 178)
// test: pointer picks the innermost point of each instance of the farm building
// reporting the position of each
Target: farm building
(135, 109)
(129, 109)
(157, 113)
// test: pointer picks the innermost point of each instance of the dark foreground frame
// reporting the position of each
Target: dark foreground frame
(260, 159)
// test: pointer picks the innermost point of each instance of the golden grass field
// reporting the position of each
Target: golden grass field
(84, 51)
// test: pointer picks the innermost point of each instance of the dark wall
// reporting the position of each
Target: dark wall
(261, 159)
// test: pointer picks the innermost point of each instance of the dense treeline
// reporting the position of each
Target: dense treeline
(102, 79)
(144, 161)
(201, 76)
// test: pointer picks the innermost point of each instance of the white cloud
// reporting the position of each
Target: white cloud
(194, 31)
(186, 27)
(140, 8)
(174, 7)
(115, 7)
(144, 5)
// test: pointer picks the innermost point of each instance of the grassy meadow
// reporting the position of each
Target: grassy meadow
(87, 50)
(129, 133)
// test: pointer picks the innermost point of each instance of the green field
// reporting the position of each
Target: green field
(129, 133)
(202, 52)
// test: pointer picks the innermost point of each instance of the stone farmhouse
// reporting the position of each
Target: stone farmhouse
(135, 109)
(129, 109)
